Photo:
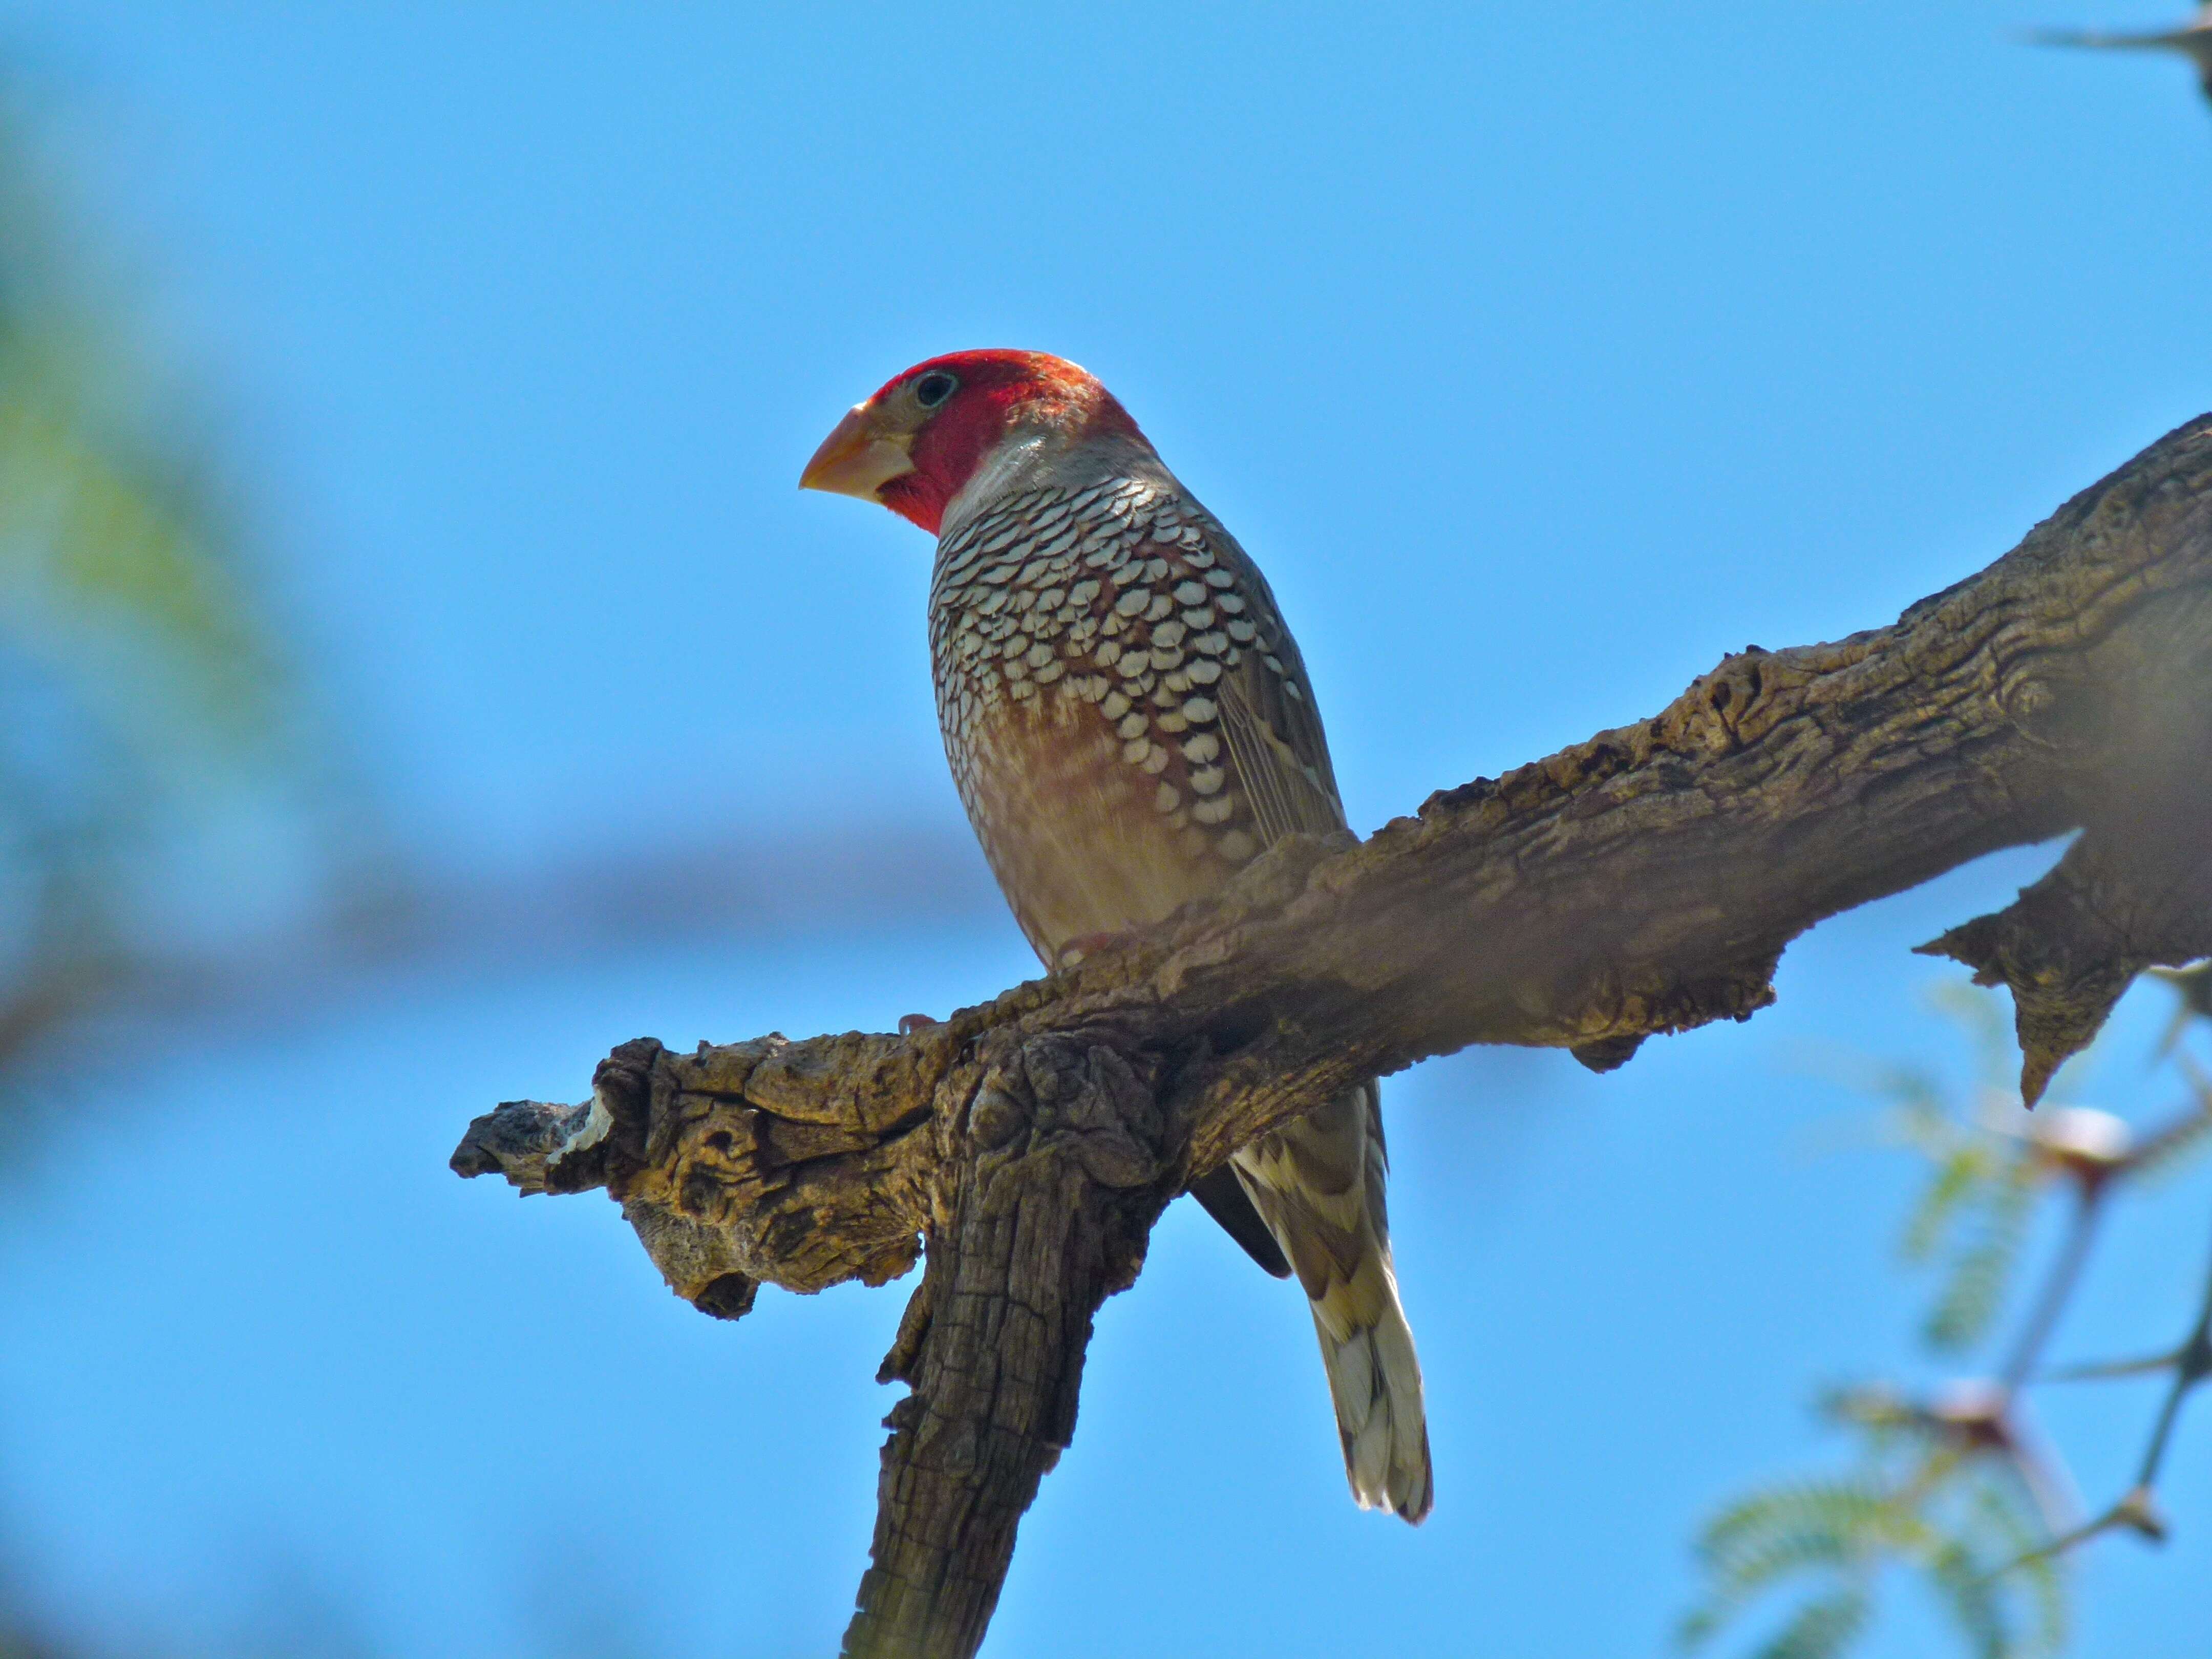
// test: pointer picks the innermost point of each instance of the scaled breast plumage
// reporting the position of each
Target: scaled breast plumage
(1112, 646)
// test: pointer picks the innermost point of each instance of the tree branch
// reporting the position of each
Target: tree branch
(1645, 881)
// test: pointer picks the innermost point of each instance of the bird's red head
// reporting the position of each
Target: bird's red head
(916, 443)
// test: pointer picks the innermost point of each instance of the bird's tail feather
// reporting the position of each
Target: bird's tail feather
(1318, 1183)
(1375, 1383)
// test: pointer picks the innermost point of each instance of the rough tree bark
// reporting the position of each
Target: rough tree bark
(1645, 881)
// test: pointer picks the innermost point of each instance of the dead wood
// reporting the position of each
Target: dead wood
(1645, 881)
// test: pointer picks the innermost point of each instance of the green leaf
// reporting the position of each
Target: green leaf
(1772, 1532)
(1975, 1293)
(1956, 1185)
(1971, 1598)
(1821, 1629)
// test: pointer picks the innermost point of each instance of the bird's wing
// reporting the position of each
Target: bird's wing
(1223, 1196)
(1269, 721)
(1317, 1182)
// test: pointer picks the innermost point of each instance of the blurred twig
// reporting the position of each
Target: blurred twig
(1940, 1482)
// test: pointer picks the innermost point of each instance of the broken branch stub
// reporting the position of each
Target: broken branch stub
(1064, 1169)
(2073, 943)
(1646, 881)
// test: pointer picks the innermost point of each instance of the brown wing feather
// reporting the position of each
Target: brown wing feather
(1268, 715)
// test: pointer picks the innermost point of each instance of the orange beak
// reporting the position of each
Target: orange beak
(858, 457)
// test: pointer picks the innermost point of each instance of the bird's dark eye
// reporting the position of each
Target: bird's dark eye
(933, 388)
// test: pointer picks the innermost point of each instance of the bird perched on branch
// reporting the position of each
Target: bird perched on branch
(1129, 723)
(2192, 40)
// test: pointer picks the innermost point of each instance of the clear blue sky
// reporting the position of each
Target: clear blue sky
(1539, 353)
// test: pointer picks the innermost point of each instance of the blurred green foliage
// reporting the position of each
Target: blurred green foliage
(1951, 1488)
(139, 683)
(1974, 1214)
(1926, 1493)
(142, 697)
